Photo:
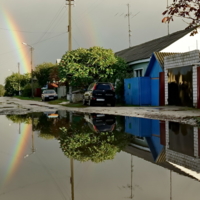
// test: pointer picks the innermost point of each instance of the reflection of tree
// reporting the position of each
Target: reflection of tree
(50, 127)
(97, 147)
(20, 118)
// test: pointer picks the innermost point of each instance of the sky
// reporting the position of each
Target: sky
(43, 25)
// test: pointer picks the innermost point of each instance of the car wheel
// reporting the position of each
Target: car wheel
(84, 102)
(112, 104)
(91, 103)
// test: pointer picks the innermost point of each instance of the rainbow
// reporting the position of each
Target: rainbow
(16, 39)
(18, 152)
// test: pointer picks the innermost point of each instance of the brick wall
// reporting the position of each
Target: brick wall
(182, 60)
(186, 161)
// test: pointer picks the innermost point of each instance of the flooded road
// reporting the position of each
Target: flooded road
(114, 157)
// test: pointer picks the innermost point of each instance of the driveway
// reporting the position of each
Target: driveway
(10, 105)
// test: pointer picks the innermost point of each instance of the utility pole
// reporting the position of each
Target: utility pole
(19, 77)
(129, 26)
(167, 22)
(70, 38)
(31, 49)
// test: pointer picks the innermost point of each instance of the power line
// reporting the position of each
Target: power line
(22, 31)
(52, 22)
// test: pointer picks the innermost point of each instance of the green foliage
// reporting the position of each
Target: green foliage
(82, 66)
(97, 147)
(15, 82)
(42, 73)
(46, 136)
(187, 9)
(2, 90)
(20, 118)
(27, 91)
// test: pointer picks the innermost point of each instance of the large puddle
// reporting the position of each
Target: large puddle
(61, 155)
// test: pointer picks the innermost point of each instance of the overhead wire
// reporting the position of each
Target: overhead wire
(52, 22)
(22, 31)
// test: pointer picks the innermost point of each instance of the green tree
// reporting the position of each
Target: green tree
(15, 82)
(42, 73)
(2, 90)
(83, 66)
(20, 118)
(86, 145)
(186, 9)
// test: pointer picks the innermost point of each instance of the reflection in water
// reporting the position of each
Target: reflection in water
(96, 142)
(167, 146)
(171, 142)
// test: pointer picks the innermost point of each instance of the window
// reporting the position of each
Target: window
(138, 72)
(103, 87)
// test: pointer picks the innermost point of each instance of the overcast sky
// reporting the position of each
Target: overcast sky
(43, 25)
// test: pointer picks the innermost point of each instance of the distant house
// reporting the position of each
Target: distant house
(138, 57)
(58, 61)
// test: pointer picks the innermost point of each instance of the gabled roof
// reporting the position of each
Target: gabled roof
(145, 50)
(159, 56)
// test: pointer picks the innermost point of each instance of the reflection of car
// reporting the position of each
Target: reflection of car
(49, 95)
(100, 122)
(51, 114)
(99, 93)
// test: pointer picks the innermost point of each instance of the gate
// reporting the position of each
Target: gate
(137, 91)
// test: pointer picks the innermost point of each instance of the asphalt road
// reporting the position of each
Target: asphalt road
(10, 105)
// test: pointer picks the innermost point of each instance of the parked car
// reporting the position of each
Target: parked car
(103, 93)
(100, 122)
(49, 95)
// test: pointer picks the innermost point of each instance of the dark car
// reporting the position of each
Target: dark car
(100, 122)
(99, 93)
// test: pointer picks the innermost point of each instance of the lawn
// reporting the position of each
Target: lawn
(28, 98)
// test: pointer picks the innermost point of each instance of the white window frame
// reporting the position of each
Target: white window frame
(138, 70)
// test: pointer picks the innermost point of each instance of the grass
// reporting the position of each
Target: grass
(28, 98)
(54, 102)
(57, 101)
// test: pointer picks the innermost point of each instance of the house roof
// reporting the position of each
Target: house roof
(145, 50)
(160, 57)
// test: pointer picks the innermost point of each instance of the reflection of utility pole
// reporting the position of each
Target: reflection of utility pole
(131, 176)
(71, 165)
(170, 184)
(72, 177)
(19, 128)
(32, 141)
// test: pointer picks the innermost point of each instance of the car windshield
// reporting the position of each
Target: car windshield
(103, 87)
(49, 92)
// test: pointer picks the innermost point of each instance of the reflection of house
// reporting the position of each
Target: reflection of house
(182, 145)
(147, 130)
(172, 145)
